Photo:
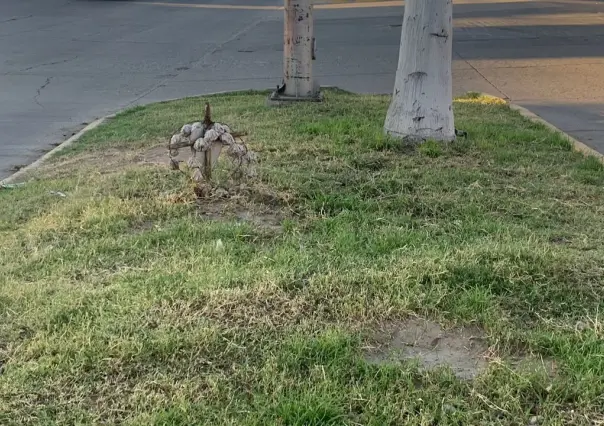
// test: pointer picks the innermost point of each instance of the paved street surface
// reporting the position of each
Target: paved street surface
(64, 63)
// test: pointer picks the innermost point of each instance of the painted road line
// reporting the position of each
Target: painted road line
(398, 3)
(336, 4)
(209, 6)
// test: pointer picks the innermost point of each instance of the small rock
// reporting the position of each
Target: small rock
(581, 326)
(186, 129)
(197, 175)
(448, 408)
(535, 420)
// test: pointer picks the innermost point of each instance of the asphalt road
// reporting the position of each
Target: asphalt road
(64, 63)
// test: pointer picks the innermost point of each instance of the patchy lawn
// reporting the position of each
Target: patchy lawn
(358, 281)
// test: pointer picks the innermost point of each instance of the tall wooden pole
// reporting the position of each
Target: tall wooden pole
(298, 54)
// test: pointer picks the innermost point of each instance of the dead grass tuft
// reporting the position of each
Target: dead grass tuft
(242, 308)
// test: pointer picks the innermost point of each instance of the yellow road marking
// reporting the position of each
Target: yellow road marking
(553, 19)
(209, 6)
(357, 5)
(390, 3)
(337, 4)
(343, 4)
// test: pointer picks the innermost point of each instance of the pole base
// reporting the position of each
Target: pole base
(279, 99)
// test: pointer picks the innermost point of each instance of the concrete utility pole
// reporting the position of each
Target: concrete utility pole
(298, 55)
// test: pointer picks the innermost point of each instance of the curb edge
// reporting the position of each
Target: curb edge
(96, 123)
(577, 145)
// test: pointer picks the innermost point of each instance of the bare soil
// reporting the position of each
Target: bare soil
(108, 161)
(244, 203)
(464, 350)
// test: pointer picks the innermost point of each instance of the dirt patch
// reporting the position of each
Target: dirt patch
(220, 210)
(223, 205)
(464, 350)
(251, 202)
(108, 161)
(159, 155)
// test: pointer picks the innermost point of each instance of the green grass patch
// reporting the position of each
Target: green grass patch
(129, 301)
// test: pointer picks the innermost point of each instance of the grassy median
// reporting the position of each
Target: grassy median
(125, 299)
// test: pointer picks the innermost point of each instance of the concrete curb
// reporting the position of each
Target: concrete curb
(577, 145)
(12, 178)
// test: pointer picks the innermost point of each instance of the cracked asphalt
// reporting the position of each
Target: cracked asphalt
(64, 63)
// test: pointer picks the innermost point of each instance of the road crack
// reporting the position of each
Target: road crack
(16, 18)
(50, 63)
(505, 96)
(205, 57)
(39, 91)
